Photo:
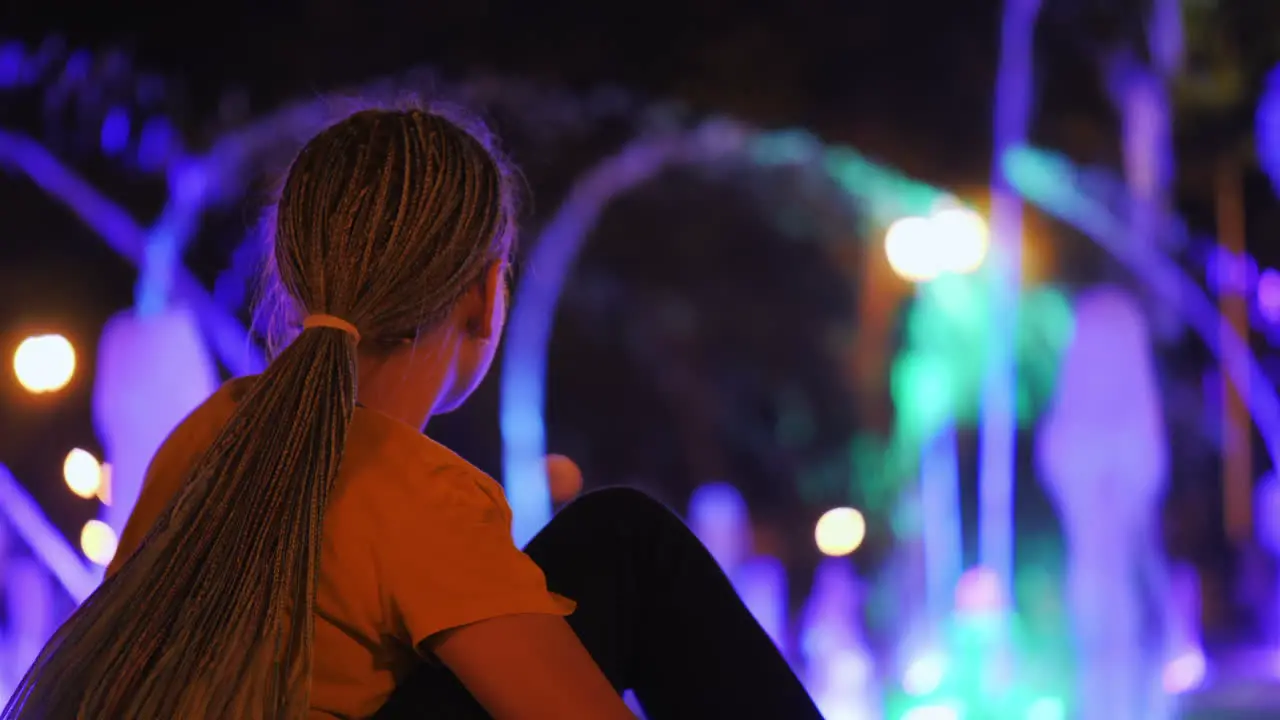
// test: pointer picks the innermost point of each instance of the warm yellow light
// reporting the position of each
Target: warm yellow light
(82, 473)
(44, 363)
(98, 542)
(104, 488)
(840, 531)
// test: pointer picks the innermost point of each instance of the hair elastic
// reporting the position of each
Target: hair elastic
(331, 321)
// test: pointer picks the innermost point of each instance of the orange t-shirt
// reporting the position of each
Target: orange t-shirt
(416, 541)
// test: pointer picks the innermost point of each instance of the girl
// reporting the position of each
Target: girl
(300, 549)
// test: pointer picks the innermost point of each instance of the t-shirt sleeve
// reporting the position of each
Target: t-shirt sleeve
(451, 561)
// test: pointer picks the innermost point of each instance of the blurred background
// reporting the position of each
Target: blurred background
(950, 326)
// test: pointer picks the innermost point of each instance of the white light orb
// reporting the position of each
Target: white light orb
(960, 239)
(932, 712)
(924, 675)
(82, 473)
(44, 363)
(908, 244)
(840, 531)
(98, 542)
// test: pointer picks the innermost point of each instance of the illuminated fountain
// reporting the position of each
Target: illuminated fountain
(718, 516)
(1104, 460)
(1267, 522)
(840, 671)
(153, 370)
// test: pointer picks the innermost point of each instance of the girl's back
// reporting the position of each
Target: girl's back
(416, 540)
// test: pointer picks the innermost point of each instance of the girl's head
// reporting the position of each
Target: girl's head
(398, 223)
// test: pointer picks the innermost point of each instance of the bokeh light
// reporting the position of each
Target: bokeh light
(907, 245)
(564, 478)
(82, 473)
(98, 542)
(840, 531)
(104, 484)
(44, 363)
(952, 240)
(924, 675)
(1185, 672)
(932, 712)
(1047, 708)
(979, 591)
(960, 239)
(1269, 295)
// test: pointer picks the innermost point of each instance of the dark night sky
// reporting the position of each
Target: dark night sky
(844, 68)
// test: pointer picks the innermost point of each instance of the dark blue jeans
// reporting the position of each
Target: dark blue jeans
(656, 613)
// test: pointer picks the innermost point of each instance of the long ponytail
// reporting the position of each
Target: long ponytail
(212, 617)
(383, 221)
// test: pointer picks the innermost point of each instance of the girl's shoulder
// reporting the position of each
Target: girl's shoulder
(392, 461)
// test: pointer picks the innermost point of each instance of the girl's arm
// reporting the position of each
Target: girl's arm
(529, 667)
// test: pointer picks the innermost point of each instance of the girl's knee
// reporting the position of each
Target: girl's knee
(621, 500)
(620, 507)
